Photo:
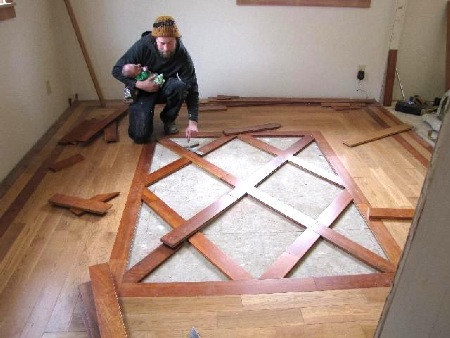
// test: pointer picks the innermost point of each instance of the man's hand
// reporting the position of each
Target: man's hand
(191, 130)
(148, 85)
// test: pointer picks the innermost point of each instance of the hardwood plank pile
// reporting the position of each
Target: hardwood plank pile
(86, 130)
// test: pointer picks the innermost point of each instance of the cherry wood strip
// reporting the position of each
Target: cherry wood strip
(293, 254)
(376, 135)
(182, 162)
(339, 168)
(67, 162)
(355, 281)
(286, 262)
(101, 124)
(413, 151)
(390, 77)
(354, 249)
(91, 206)
(334, 179)
(109, 315)
(74, 135)
(148, 264)
(87, 59)
(253, 287)
(100, 197)
(197, 160)
(110, 133)
(199, 241)
(122, 243)
(251, 129)
(414, 135)
(89, 313)
(335, 104)
(390, 213)
(399, 138)
(387, 242)
(165, 171)
(211, 107)
(187, 229)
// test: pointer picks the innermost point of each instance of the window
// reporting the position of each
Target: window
(7, 10)
(329, 3)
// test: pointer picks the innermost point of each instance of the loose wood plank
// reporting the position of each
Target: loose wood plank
(101, 124)
(110, 133)
(68, 162)
(106, 302)
(91, 206)
(74, 135)
(100, 197)
(390, 213)
(252, 129)
(378, 135)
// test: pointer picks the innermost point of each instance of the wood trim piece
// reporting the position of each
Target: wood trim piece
(99, 125)
(390, 213)
(67, 162)
(87, 59)
(253, 287)
(390, 77)
(251, 129)
(92, 206)
(100, 197)
(326, 3)
(107, 306)
(79, 130)
(376, 135)
(111, 133)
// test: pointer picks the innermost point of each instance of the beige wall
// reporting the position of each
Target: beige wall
(421, 51)
(31, 55)
(243, 50)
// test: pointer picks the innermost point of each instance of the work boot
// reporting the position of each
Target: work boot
(170, 128)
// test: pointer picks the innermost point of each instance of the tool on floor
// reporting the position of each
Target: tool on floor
(193, 147)
(194, 333)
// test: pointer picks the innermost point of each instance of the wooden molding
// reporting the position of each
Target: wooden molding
(390, 77)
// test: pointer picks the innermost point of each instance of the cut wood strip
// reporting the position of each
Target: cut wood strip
(211, 107)
(100, 197)
(74, 135)
(109, 315)
(68, 162)
(89, 314)
(91, 206)
(390, 77)
(252, 287)
(252, 129)
(390, 213)
(335, 104)
(378, 135)
(110, 133)
(101, 124)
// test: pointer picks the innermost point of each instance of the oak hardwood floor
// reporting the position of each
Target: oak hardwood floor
(46, 251)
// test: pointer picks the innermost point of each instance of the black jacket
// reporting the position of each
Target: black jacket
(179, 65)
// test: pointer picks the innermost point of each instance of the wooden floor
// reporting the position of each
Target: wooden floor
(46, 251)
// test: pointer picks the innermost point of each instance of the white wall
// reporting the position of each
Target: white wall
(248, 50)
(30, 56)
(421, 52)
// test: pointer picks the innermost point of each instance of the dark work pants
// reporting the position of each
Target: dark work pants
(173, 94)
